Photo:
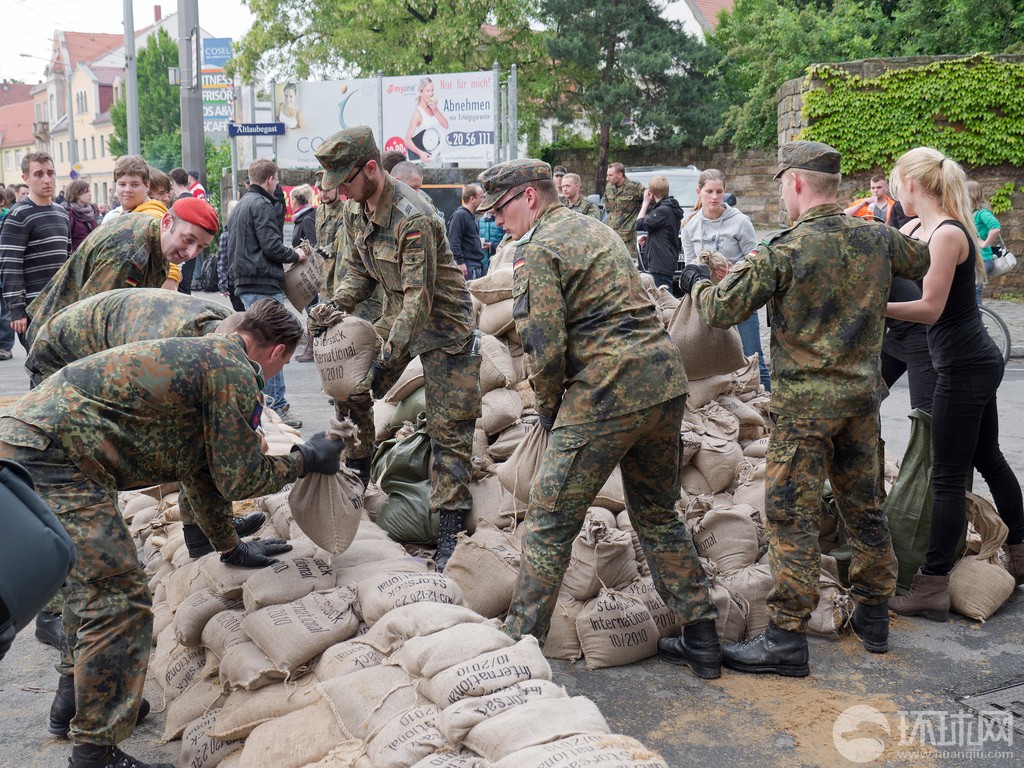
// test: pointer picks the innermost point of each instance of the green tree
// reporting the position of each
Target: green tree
(626, 69)
(159, 106)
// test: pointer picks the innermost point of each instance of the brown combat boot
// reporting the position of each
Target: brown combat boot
(1015, 560)
(928, 596)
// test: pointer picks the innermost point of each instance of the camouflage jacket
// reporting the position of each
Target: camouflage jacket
(113, 318)
(402, 247)
(158, 411)
(329, 220)
(124, 253)
(584, 206)
(622, 204)
(587, 326)
(826, 283)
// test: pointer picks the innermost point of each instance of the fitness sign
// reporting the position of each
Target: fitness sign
(445, 118)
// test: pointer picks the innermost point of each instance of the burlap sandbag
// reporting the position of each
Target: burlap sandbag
(199, 749)
(703, 391)
(616, 629)
(195, 611)
(346, 657)
(344, 352)
(429, 655)
(485, 565)
(244, 710)
(493, 287)
(416, 620)
(753, 583)
(562, 641)
(458, 719)
(693, 481)
(451, 758)
(384, 425)
(411, 379)
(293, 633)
(706, 351)
(367, 550)
(500, 409)
(518, 472)
(732, 608)
(302, 281)
(623, 523)
(288, 579)
(380, 594)
(584, 751)
(978, 583)
(496, 369)
(728, 537)
(407, 738)
(487, 673)
(508, 440)
(365, 700)
(175, 666)
(830, 617)
(163, 617)
(228, 580)
(352, 575)
(294, 740)
(195, 702)
(245, 666)
(612, 495)
(189, 579)
(601, 557)
(487, 505)
(224, 630)
(643, 589)
(535, 722)
(496, 318)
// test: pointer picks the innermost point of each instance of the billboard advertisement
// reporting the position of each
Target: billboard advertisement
(218, 93)
(446, 118)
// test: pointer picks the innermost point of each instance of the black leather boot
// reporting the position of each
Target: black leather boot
(871, 626)
(50, 629)
(96, 756)
(774, 651)
(197, 543)
(63, 707)
(699, 649)
(451, 524)
(362, 466)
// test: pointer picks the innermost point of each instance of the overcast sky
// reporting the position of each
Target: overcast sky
(28, 26)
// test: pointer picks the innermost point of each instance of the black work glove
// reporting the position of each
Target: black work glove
(546, 422)
(691, 274)
(373, 377)
(254, 554)
(320, 454)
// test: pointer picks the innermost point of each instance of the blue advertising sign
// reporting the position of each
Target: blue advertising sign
(216, 51)
(255, 129)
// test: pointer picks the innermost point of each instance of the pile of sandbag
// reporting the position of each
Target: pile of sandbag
(365, 658)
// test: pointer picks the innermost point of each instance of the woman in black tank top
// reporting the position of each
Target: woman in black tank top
(965, 420)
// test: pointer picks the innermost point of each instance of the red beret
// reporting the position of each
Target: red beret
(198, 212)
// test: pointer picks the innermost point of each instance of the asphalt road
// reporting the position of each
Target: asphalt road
(907, 703)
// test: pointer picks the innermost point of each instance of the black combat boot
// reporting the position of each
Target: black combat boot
(871, 626)
(362, 466)
(63, 707)
(198, 545)
(776, 651)
(699, 649)
(451, 524)
(49, 629)
(96, 756)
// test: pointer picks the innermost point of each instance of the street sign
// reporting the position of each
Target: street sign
(255, 129)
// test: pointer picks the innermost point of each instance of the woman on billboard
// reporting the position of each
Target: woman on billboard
(423, 139)
(289, 114)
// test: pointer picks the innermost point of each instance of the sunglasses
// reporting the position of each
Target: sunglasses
(503, 206)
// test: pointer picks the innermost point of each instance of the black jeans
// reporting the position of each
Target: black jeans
(965, 435)
(908, 353)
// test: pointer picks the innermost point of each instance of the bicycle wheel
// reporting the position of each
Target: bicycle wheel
(997, 330)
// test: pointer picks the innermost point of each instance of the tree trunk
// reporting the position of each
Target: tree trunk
(605, 133)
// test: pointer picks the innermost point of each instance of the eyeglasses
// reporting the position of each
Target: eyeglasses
(352, 177)
(503, 206)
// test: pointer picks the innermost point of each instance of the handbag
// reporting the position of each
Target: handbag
(1003, 260)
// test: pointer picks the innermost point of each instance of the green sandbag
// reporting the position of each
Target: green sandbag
(410, 408)
(909, 504)
(402, 470)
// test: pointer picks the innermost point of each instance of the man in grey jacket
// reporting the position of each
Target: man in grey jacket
(257, 256)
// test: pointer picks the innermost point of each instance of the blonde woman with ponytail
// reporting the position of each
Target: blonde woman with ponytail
(965, 421)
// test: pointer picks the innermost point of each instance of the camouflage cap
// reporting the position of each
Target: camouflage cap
(559, 170)
(809, 155)
(504, 177)
(342, 152)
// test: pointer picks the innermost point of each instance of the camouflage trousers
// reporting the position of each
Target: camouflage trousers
(452, 393)
(108, 619)
(578, 461)
(801, 454)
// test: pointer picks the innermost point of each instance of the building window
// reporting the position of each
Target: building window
(10, 160)
(61, 148)
(85, 154)
(92, 146)
(104, 198)
(103, 146)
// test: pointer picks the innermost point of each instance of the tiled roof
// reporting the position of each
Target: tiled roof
(710, 9)
(84, 47)
(16, 124)
(11, 93)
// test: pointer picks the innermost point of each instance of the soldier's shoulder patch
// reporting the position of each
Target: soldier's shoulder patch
(412, 237)
(256, 417)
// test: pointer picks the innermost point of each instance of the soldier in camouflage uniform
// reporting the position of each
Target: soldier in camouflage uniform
(622, 200)
(826, 282)
(144, 413)
(397, 244)
(574, 199)
(329, 219)
(611, 390)
(132, 251)
(117, 317)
